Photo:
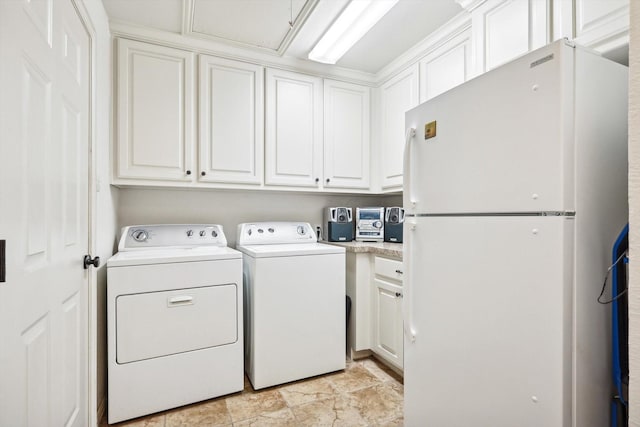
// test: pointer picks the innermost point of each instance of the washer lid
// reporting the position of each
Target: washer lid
(290, 249)
(166, 256)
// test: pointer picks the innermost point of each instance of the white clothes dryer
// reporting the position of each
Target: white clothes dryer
(294, 291)
(174, 319)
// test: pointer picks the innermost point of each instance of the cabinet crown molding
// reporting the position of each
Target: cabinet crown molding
(470, 5)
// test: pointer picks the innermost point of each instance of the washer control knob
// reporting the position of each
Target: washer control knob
(377, 224)
(301, 230)
(140, 235)
(189, 233)
(271, 230)
(214, 233)
(203, 233)
(260, 230)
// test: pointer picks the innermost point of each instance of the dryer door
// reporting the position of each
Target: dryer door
(156, 324)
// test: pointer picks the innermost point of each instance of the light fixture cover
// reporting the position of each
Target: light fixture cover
(353, 23)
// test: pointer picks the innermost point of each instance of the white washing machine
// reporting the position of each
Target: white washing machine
(174, 316)
(294, 291)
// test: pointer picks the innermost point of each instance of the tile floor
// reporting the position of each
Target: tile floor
(366, 393)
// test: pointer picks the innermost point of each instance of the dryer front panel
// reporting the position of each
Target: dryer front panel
(156, 324)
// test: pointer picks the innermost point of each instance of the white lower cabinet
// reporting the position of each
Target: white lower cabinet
(386, 314)
(374, 284)
(359, 273)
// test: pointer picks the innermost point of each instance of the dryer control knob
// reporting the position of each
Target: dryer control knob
(203, 233)
(214, 233)
(301, 230)
(140, 235)
(189, 233)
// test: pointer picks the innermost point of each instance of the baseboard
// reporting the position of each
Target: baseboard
(355, 355)
(102, 410)
(388, 364)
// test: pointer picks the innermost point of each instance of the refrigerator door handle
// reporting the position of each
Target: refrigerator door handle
(406, 168)
(407, 312)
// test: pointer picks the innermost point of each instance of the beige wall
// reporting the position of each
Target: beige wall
(634, 213)
(230, 208)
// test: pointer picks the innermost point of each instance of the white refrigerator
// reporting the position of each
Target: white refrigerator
(512, 208)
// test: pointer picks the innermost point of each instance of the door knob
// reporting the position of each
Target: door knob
(91, 261)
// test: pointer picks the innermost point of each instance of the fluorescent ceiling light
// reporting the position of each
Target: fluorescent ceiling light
(353, 23)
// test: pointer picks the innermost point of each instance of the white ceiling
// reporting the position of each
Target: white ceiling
(264, 24)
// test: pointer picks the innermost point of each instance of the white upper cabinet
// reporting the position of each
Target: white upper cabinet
(446, 67)
(293, 140)
(505, 29)
(231, 121)
(155, 112)
(602, 24)
(346, 135)
(397, 95)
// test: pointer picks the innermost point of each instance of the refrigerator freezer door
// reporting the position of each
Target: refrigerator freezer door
(503, 141)
(492, 321)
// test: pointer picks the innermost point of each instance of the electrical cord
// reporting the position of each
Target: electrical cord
(604, 284)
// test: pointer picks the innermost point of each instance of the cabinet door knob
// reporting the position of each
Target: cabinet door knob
(203, 173)
(328, 180)
(398, 294)
(317, 180)
(399, 271)
(188, 172)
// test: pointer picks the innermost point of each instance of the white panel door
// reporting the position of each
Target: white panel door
(488, 300)
(388, 340)
(447, 67)
(346, 135)
(231, 121)
(505, 29)
(293, 138)
(155, 95)
(44, 194)
(397, 96)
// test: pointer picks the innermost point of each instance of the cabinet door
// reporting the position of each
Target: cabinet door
(446, 68)
(231, 121)
(397, 96)
(293, 129)
(346, 135)
(387, 322)
(602, 25)
(505, 29)
(154, 112)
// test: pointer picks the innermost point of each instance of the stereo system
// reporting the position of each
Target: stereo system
(370, 224)
(393, 222)
(338, 224)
